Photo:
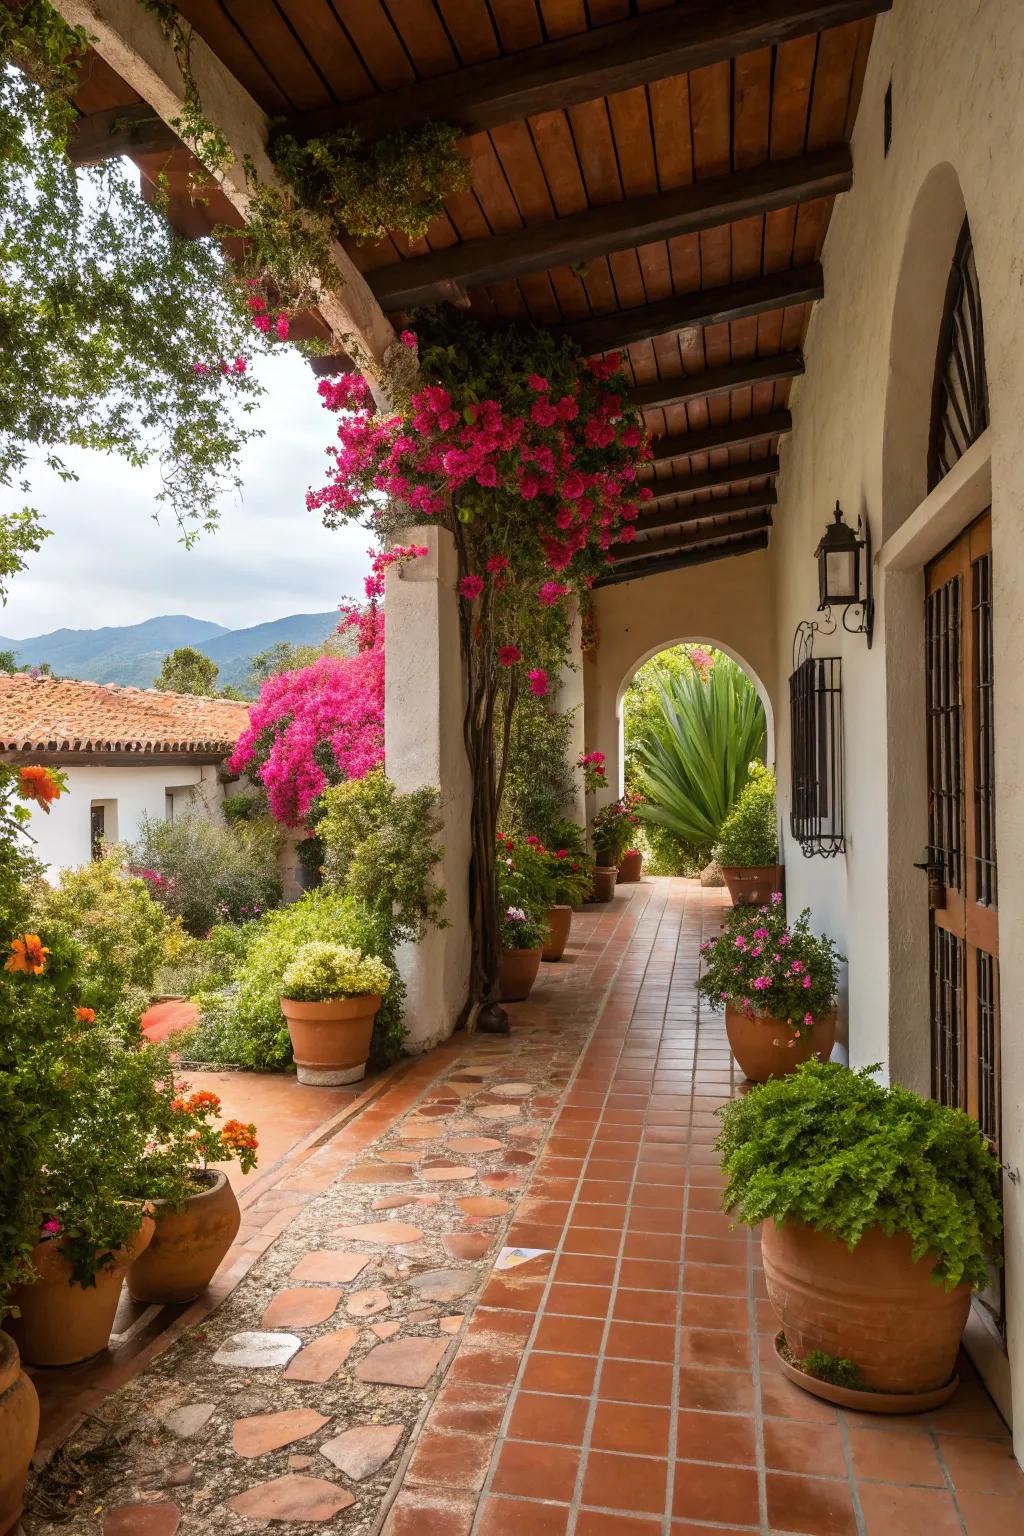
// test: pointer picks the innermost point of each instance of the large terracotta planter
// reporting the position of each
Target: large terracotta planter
(559, 924)
(874, 1306)
(602, 882)
(19, 1426)
(630, 867)
(331, 1041)
(752, 885)
(519, 969)
(62, 1322)
(766, 1047)
(188, 1244)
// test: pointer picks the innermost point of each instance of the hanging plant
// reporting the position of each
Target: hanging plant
(397, 183)
(286, 252)
(528, 453)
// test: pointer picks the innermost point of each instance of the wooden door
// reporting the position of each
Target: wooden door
(963, 884)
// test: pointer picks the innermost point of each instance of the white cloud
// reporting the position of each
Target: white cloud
(109, 563)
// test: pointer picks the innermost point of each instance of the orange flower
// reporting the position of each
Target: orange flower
(239, 1136)
(202, 1101)
(28, 954)
(38, 784)
(85, 1015)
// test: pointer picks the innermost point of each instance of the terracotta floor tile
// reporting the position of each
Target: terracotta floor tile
(813, 1506)
(538, 1471)
(578, 1300)
(789, 1447)
(717, 1391)
(636, 1428)
(595, 1240)
(727, 1312)
(989, 1516)
(727, 1494)
(641, 1341)
(723, 1437)
(982, 1466)
(501, 1322)
(518, 1517)
(630, 1483)
(665, 1246)
(449, 1459)
(570, 1335)
(584, 1269)
(542, 1416)
(570, 1374)
(715, 1279)
(715, 1347)
(418, 1510)
(492, 1364)
(779, 1397)
(650, 1275)
(892, 1456)
(592, 1522)
(636, 1381)
(470, 1408)
(910, 1511)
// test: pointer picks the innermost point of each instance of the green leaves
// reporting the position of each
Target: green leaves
(749, 834)
(837, 1150)
(691, 758)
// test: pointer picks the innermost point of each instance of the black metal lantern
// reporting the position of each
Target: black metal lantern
(844, 568)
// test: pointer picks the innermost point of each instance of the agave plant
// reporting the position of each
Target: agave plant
(690, 762)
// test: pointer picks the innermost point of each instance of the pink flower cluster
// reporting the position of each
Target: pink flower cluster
(594, 776)
(338, 704)
(381, 560)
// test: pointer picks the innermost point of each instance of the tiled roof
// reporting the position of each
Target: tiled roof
(49, 714)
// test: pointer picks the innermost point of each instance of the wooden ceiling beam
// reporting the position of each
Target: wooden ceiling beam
(588, 65)
(717, 381)
(583, 237)
(130, 39)
(711, 479)
(135, 130)
(735, 434)
(709, 306)
(706, 511)
(722, 550)
(689, 538)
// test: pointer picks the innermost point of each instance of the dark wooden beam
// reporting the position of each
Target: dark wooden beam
(583, 237)
(706, 511)
(689, 538)
(717, 381)
(711, 479)
(135, 130)
(721, 550)
(330, 364)
(735, 434)
(711, 306)
(598, 62)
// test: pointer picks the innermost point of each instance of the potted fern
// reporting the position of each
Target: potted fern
(748, 843)
(881, 1214)
(330, 997)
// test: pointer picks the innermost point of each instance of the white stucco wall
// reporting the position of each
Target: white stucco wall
(63, 839)
(861, 421)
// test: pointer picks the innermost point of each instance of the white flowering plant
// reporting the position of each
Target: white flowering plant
(521, 929)
(320, 971)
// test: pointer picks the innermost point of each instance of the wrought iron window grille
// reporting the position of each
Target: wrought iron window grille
(816, 818)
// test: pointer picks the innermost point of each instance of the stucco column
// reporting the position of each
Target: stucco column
(569, 696)
(423, 745)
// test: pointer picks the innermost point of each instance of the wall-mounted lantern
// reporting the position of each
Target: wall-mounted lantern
(844, 573)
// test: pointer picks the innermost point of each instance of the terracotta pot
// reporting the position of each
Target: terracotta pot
(331, 1041)
(62, 1322)
(602, 882)
(765, 1047)
(559, 924)
(188, 1244)
(630, 867)
(752, 885)
(519, 969)
(19, 1426)
(874, 1306)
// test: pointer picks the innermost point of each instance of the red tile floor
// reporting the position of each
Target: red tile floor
(620, 1382)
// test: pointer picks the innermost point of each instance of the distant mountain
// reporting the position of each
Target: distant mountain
(132, 653)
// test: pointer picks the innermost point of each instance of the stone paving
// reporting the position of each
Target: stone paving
(503, 1299)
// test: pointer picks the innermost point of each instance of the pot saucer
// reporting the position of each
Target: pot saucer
(866, 1402)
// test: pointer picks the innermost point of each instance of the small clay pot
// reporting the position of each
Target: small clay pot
(188, 1244)
(752, 885)
(19, 1426)
(630, 867)
(331, 1040)
(518, 973)
(559, 924)
(876, 1306)
(765, 1047)
(602, 882)
(62, 1322)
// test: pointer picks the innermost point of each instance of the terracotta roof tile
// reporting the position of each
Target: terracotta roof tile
(49, 714)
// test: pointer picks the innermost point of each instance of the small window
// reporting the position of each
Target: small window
(97, 815)
(816, 747)
(960, 394)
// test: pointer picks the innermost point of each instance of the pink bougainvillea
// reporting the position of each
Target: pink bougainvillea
(318, 724)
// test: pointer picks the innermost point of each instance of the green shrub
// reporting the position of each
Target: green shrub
(123, 934)
(539, 775)
(749, 834)
(202, 965)
(206, 872)
(836, 1150)
(319, 972)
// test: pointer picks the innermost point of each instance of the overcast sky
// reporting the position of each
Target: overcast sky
(109, 563)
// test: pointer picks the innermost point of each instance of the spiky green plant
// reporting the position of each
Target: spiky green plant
(691, 760)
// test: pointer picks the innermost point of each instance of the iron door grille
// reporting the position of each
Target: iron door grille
(816, 742)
